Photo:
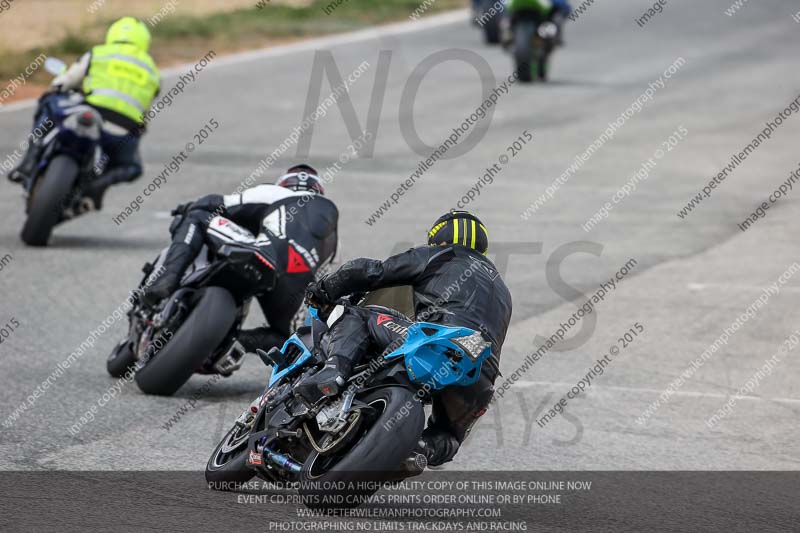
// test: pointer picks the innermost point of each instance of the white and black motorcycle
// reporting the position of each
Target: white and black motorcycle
(195, 329)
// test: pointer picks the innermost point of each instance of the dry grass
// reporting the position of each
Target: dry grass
(187, 30)
(31, 23)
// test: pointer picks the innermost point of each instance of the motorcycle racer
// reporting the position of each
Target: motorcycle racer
(453, 284)
(120, 80)
(293, 215)
(556, 11)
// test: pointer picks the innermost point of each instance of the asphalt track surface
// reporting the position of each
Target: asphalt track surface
(693, 277)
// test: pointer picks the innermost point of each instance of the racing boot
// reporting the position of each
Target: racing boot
(27, 166)
(416, 462)
(179, 257)
(438, 446)
(435, 448)
(96, 190)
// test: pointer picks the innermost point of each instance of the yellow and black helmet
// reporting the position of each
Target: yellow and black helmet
(459, 227)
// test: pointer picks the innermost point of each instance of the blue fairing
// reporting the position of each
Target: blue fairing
(57, 107)
(432, 358)
(427, 362)
(300, 361)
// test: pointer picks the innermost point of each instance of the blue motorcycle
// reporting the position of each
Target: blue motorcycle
(68, 154)
(328, 446)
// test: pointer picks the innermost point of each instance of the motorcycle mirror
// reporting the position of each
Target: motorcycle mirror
(264, 357)
(274, 357)
(54, 66)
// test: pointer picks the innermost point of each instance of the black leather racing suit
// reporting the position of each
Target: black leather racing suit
(453, 285)
(302, 227)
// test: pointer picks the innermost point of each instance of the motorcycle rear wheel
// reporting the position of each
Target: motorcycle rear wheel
(524, 33)
(47, 201)
(195, 341)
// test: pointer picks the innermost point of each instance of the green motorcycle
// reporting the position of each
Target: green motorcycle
(533, 37)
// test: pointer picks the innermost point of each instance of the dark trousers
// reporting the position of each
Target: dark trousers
(375, 330)
(123, 160)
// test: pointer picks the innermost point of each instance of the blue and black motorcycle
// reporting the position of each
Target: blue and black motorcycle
(68, 154)
(368, 430)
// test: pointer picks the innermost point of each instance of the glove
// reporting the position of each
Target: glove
(317, 296)
(49, 92)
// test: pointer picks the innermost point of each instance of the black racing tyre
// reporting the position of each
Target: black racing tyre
(543, 60)
(195, 341)
(121, 359)
(542, 67)
(376, 456)
(523, 50)
(47, 201)
(226, 466)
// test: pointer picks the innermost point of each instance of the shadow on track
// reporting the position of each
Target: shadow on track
(74, 241)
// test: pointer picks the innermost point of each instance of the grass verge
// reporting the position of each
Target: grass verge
(178, 38)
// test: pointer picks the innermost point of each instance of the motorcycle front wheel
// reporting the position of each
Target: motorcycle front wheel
(226, 466)
(376, 456)
(121, 359)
